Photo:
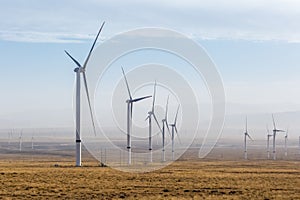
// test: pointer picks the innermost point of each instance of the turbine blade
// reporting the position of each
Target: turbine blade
(168, 128)
(246, 124)
(176, 116)
(166, 114)
(141, 98)
(177, 134)
(126, 84)
(88, 57)
(89, 102)
(157, 122)
(249, 137)
(176, 129)
(147, 117)
(153, 101)
(273, 122)
(280, 130)
(268, 129)
(74, 60)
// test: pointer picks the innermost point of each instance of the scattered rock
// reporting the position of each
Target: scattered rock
(122, 196)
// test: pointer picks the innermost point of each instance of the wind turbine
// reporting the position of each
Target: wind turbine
(20, 140)
(174, 129)
(32, 141)
(268, 142)
(274, 136)
(130, 102)
(80, 69)
(9, 136)
(149, 118)
(165, 124)
(299, 143)
(285, 142)
(246, 134)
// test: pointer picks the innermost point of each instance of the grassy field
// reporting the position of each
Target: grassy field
(198, 179)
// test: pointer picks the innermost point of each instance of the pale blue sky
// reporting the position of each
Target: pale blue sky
(255, 44)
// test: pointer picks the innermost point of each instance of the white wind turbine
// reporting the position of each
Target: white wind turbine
(246, 134)
(165, 124)
(20, 140)
(299, 143)
(80, 69)
(149, 118)
(130, 102)
(285, 142)
(9, 136)
(268, 142)
(274, 137)
(32, 141)
(174, 129)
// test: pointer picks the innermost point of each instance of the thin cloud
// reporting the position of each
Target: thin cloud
(44, 37)
(249, 20)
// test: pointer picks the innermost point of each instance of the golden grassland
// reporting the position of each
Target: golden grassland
(186, 179)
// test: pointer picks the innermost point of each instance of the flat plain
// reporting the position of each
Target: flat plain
(55, 177)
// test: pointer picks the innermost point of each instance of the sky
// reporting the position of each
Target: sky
(254, 44)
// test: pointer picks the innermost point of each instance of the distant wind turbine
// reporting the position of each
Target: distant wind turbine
(32, 141)
(149, 118)
(20, 140)
(80, 69)
(246, 134)
(130, 102)
(165, 124)
(268, 142)
(174, 129)
(299, 143)
(9, 136)
(275, 130)
(285, 142)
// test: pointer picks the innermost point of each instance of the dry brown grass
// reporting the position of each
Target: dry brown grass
(181, 180)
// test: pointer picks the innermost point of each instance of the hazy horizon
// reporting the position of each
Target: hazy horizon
(253, 44)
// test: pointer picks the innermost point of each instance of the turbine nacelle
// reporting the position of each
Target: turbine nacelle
(286, 134)
(173, 125)
(276, 130)
(79, 69)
